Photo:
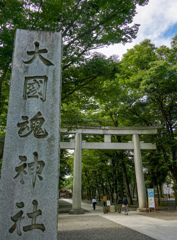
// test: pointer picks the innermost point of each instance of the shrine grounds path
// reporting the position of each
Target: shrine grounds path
(95, 225)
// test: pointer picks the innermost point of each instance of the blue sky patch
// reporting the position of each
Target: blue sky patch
(171, 32)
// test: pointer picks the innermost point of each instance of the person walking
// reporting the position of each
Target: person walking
(125, 202)
(168, 195)
(94, 203)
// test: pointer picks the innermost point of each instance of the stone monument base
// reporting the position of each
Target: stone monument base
(76, 211)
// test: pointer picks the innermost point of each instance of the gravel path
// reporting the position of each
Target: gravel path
(94, 228)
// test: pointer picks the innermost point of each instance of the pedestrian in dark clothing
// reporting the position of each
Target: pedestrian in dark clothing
(125, 202)
(94, 203)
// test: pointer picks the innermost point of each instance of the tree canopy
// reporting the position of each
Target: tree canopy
(85, 25)
(143, 92)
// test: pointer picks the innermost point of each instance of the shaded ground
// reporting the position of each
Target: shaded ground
(65, 207)
(94, 228)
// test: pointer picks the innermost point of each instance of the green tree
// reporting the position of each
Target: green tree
(143, 93)
(157, 171)
(140, 87)
(68, 183)
(85, 25)
(150, 75)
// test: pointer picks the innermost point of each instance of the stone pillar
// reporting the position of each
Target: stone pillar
(139, 173)
(77, 178)
(30, 168)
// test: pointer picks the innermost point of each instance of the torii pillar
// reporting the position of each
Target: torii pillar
(139, 173)
(77, 178)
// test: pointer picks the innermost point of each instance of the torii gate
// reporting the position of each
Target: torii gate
(135, 145)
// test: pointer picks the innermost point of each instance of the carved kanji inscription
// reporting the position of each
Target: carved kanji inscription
(33, 215)
(35, 169)
(18, 217)
(37, 53)
(34, 125)
(35, 87)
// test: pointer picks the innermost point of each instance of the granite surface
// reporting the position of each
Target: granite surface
(30, 169)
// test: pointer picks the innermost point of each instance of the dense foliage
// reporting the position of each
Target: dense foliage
(85, 25)
(142, 91)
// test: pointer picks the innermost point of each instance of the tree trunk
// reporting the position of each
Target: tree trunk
(158, 195)
(175, 191)
(125, 179)
(102, 186)
(133, 189)
(99, 198)
(161, 191)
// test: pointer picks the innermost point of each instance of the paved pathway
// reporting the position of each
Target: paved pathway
(155, 228)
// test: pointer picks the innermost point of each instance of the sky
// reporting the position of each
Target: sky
(158, 22)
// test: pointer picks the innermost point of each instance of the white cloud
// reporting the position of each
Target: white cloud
(155, 19)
